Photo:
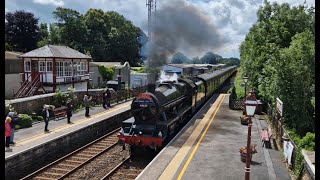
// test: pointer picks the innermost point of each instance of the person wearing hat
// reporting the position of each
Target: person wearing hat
(46, 115)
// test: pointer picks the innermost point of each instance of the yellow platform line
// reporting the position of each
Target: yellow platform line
(38, 136)
(198, 143)
(173, 166)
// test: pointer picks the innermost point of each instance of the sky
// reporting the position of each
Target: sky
(232, 18)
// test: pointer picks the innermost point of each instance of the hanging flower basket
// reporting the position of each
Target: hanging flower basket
(243, 157)
(243, 152)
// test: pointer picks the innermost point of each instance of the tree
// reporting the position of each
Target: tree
(22, 31)
(278, 54)
(179, 58)
(44, 33)
(209, 58)
(71, 28)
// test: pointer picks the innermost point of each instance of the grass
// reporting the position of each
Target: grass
(239, 86)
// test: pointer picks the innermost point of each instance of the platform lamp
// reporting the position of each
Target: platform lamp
(245, 80)
(250, 106)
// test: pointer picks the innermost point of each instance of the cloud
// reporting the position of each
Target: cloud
(49, 2)
(231, 18)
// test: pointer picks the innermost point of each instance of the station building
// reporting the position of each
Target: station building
(53, 67)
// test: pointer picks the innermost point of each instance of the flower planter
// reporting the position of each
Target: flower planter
(243, 157)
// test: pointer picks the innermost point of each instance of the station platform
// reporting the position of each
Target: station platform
(34, 136)
(208, 148)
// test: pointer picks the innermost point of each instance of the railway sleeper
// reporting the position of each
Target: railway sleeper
(42, 178)
(67, 165)
(56, 175)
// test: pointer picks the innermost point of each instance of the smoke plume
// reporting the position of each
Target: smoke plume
(183, 27)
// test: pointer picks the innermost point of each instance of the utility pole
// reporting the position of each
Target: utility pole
(152, 6)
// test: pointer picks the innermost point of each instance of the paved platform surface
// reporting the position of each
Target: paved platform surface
(208, 148)
(33, 136)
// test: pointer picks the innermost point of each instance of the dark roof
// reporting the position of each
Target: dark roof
(55, 51)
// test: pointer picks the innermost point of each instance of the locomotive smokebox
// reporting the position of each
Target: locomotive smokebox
(151, 88)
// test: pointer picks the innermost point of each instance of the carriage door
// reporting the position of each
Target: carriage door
(34, 69)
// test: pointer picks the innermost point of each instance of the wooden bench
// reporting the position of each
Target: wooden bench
(60, 112)
(266, 135)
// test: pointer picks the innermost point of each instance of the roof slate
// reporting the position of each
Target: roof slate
(55, 51)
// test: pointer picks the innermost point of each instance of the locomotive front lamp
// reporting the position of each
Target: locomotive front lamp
(251, 104)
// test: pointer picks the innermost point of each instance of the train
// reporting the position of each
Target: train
(157, 113)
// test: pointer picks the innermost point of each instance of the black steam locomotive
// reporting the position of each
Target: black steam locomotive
(158, 112)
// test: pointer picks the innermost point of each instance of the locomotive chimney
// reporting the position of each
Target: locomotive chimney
(151, 88)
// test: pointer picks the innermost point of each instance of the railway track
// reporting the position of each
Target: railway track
(68, 164)
(130, 167)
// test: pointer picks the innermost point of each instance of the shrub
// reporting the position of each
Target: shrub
(60, 99)
(17, 127)
(308, 142)
(25, 121)
(39, 118)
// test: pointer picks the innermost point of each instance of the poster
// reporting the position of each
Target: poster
(287, 151)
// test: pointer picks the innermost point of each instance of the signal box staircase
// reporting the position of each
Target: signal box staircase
(28, 88)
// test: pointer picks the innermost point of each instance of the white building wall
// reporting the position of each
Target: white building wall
(78, 86)
(12, 84)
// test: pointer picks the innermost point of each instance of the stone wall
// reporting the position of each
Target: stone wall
(20, 165)
(31, 104)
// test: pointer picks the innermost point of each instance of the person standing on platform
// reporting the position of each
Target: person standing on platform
(86, 102)
(69, 112)
(104, 99)
(14, 121)
(46, 115)
(108, 97)
(8, 133)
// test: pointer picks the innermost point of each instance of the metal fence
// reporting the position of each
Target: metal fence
(278, 126)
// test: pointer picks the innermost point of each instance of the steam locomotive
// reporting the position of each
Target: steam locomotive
(158, 112)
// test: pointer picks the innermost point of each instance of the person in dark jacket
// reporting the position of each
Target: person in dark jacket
(104, 99)
(69, 112)
(108, 97)
(46, 115)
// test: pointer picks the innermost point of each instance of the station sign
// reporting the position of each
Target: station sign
(279, 107)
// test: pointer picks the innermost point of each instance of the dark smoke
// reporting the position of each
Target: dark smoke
(183, 27)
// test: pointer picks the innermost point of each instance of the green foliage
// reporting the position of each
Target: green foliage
(141, 70)
(22, 31)
(61, 99)
(106, 72)
(308, 142)
(278, 56)
(39, 118)
(105, 35)
(179, 58)
(17, 127)
(26, 121)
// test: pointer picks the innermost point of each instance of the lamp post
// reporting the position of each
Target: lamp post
(245, 80)
(250, 106)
